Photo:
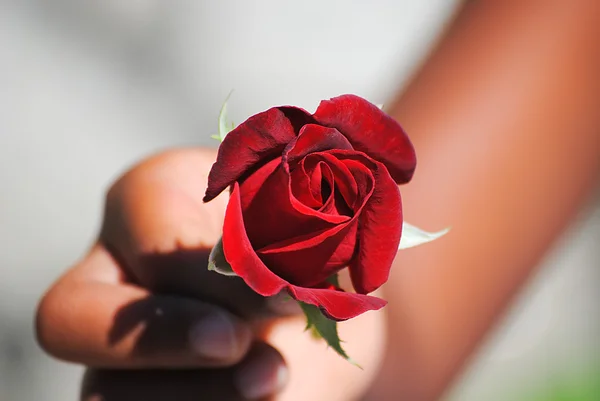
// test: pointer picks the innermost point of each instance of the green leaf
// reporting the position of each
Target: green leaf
(322, 327)
(217, 261)
(225, 127)
(413, 236)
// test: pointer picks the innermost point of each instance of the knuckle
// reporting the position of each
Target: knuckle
(140, 170)
(156, 205)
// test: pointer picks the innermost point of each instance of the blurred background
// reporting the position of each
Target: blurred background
(88, 88)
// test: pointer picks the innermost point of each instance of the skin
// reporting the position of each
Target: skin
(503, 116)
(507, 133)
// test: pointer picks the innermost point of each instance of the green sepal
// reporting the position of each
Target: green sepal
(225, 127)
(414, 236)
(217, 261)
(322, 327)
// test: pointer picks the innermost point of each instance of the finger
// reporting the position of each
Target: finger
(185, 272)
(87, 319)
(260, 375)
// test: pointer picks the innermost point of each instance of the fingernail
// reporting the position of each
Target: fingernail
(215, 337)
(260, 377)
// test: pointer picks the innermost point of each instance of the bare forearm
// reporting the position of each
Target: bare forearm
(504, 117)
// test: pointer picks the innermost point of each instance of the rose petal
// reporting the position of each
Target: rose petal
(372, 131)
(307, 188)
(314, 138)
(322, 180)
(336, 204)
(298, 116)
(254, 183)
(363, 179)
(344, 180)
(337, 305)
(274, 216)
(259, 139)
(308, 260)
(246, 264)
(272, 213)
(240, 254)
(315, 178)
(380, 227)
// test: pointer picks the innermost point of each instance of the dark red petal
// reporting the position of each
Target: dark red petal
(344, 179)
(336, 204)
(259, 139)
(252, 185)
(240, 254)
(314, 138)
(363, 178)
(307, 188)
(297, 116)
(272, 213)
(372, 131)
(333, 203)
(315, 179)
(379, 230)
(337, 305)
(330, 249)
(308, 260)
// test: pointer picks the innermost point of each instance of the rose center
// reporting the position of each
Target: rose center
(325, 189)
(324, 184)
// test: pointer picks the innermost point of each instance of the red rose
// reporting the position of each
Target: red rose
(311, 195)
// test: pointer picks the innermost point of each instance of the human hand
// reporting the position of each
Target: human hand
(144, 313)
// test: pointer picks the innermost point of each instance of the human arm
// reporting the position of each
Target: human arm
(504, 118)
